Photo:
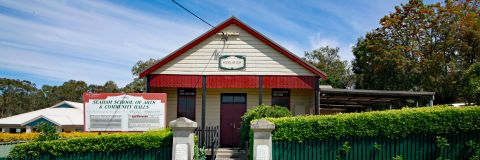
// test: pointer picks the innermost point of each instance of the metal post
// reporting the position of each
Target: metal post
(212, 149)
(260, 90)
(317, 96)
(319, 101)
(204, 96)
(431, 101)
(204, 92)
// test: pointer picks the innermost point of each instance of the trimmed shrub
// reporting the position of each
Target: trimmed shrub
(13, 137)
(391, 123)
(69, 135)
(102, 143)
(258, 112)
(47, 132)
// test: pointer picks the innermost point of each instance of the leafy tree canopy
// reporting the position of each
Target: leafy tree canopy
(20, 96)
(327, 59)
(138, 85)
(471, 82)
(421, 47)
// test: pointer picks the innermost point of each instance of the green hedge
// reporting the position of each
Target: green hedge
(391, 123)
(258, 112)
(103, 143)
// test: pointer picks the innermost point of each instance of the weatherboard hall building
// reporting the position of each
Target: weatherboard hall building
(218, 76)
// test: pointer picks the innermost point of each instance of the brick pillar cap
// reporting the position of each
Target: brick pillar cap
(262, 125)
(182, 123)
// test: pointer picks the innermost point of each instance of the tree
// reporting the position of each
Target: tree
(108, 87)
(420, 47)
(328, 60)
(48, 132)
(20, 96)
(138, 85)
(71, 90)
(471, 84)
(14, 96)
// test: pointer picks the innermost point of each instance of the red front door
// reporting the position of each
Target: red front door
(232, 108)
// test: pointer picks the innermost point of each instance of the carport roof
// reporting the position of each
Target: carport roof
(345, 98)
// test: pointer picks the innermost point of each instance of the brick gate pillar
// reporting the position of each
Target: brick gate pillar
(183, 135)
(262, 139)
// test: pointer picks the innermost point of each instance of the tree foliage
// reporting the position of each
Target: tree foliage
(15, 96)
(138, 85)
(48, 132)
(420, 47)
(20, 96)
(327, 59)
(471, 82)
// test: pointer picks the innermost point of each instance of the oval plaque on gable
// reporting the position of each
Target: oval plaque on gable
(231, 62)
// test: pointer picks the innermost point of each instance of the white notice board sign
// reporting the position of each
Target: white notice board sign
(124, 112)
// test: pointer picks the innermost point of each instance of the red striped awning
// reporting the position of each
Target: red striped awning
(232, 81)
(297, 82)
(175, 81)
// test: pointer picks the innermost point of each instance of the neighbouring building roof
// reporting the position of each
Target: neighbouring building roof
(345, 98)
(61, 114)
(248, 29)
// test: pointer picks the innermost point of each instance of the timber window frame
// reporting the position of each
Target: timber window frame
(186, 103)
(281, 97)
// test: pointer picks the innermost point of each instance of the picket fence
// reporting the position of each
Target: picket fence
(412, 147)
(156, 154)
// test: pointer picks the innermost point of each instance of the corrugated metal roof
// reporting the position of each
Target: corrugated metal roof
(305, 82)
(58, 115)
(374, 92)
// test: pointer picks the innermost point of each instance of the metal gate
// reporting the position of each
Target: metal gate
(209, 138)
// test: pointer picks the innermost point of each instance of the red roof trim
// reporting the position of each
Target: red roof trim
(250, 30)
(232, 81)
(300, 82)
(176, 81)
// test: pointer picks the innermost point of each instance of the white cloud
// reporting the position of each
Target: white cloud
(94, 41)
(318, 40)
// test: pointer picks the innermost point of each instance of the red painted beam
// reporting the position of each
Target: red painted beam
(289, 82)
(175, 81)
(234, 81)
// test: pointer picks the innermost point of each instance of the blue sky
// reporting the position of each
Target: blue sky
(49, 42)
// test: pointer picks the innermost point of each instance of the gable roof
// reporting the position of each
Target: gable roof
(58, 115)
(68, 103)
(39, 118)
(218, 28)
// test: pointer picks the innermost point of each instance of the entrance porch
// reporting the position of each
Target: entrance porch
(222, 100)
(301, 101)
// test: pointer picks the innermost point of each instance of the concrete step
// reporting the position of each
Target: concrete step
(227, 150)
(231, 153)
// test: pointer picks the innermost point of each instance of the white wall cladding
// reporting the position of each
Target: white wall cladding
(299, 98)
(261, 59)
